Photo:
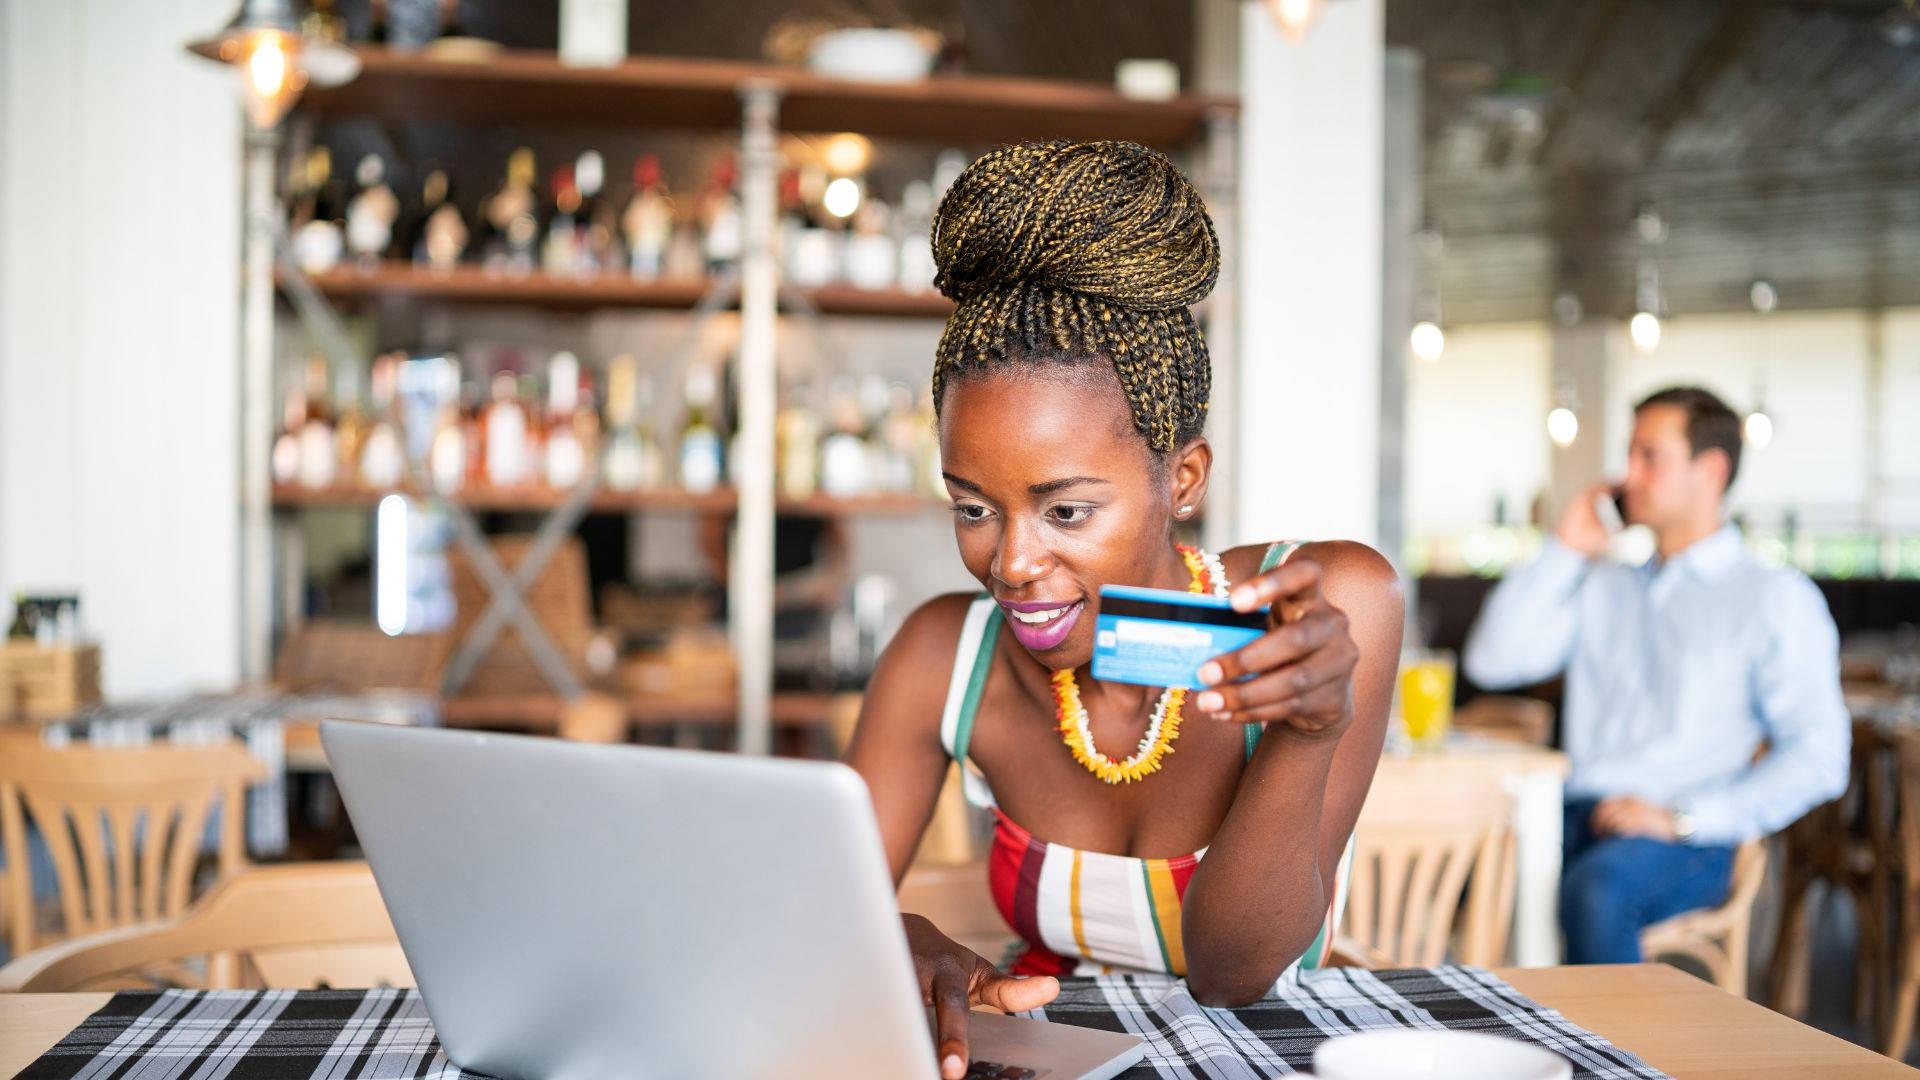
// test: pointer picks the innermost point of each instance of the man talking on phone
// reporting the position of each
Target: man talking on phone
(1703, 699)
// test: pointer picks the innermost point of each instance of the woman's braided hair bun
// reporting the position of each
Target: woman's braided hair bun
(1068, 251)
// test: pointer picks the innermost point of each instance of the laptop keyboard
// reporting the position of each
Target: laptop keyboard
(992, 1070)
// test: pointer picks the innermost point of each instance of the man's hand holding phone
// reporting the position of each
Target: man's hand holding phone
(1581, 527)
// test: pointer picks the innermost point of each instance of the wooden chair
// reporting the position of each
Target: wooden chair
(292, 926)
(1414, 852)
(123, 826)
(1848, 845)
(1906, 883)
(1717, 937)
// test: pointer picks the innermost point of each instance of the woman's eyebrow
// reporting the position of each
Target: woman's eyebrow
(1052, 486)
(964, 485)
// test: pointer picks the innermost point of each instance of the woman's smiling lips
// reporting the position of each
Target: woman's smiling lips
(1040, 625)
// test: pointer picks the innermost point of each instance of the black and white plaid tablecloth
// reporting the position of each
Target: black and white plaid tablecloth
(385, 1034)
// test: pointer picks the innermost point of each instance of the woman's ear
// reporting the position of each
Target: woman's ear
(1187, 476)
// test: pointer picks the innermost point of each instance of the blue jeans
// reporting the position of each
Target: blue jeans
(1612, 887)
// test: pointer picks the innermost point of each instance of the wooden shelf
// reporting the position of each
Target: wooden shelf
(534, 88)
(538, 498)
(559, 292)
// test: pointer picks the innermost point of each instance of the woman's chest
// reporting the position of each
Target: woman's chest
(1017, 744)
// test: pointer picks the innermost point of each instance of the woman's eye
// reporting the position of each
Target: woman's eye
(970, 512)
(1071, 515)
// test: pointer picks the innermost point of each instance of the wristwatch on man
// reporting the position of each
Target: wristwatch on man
(1682, 825)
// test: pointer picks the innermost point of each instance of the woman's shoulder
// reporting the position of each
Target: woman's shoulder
(1349, 563)
(911, 676)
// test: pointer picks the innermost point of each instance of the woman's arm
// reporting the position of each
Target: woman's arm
(1323, 685)
(897, 750)
(896, 745)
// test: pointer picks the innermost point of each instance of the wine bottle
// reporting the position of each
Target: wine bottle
(561, 252)
(648, 221)
(599, 238)
(720, 220)
(701, 466)
(506, 434)
(318, 242)
(317, 458)
(513, 229)
(565, 458)
(372, 213)
(382, 458)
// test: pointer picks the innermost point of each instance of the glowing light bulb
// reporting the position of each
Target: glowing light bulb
(1645, 331)
(1758, 429)
(1295, 17)
(842, 197)
(847, 154)
(1563, 427)
(1428, 341)
(270, 74)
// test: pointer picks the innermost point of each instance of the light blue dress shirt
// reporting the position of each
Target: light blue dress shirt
(1676, 673)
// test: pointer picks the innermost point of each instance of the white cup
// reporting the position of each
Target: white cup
(1435, 1055)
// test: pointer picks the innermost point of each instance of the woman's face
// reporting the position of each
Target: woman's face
(1056, 494)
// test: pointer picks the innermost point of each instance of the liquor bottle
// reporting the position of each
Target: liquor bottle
(720, 222)
(701, 465)
(561, 252)
(449, 456)
(873, 259)
(648, 221)
(565, 458)
(599, 238)
(319, 240)
(444, 233)
(796, 433)
(350, 433)
(843, 454)
(285, 458)
(513, 229)
(899, 440)
(506, 434)
(317, 458)
(372, 213)
(817, 255)
(914, 230)
(383, 459)
(633, 459)
(473, 421)
(527, 393)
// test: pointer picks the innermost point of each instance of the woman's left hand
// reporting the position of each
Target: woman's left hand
(1302, 667)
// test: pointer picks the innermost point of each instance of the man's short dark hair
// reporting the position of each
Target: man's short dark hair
(1710, 424)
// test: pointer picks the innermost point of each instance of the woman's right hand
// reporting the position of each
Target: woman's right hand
(953, 979)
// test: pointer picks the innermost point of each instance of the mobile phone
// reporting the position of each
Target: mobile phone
(1617, 501)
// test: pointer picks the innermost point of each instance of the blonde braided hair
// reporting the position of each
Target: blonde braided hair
(1070, 252)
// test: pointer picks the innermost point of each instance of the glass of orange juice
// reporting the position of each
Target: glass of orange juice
(1426, 696)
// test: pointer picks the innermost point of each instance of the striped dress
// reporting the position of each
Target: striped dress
(1085, 912)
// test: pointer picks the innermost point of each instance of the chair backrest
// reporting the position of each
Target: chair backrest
(1414, 849)
(123, 826)
(1906, 796)
(290, 926)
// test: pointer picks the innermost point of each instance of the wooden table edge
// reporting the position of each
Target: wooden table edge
(1593, 998)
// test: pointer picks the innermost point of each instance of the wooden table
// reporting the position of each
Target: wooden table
(1536, 779)
(1692, 1029)
(1674, 1021)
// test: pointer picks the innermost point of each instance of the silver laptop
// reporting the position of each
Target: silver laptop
(575, 911)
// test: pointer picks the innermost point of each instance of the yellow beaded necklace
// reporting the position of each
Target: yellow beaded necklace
(1206, 575)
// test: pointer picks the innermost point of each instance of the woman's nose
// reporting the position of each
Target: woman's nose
(1020, 559)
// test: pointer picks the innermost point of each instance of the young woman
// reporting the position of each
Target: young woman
(1072, 389)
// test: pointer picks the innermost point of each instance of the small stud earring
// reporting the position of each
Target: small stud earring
(1185, 510)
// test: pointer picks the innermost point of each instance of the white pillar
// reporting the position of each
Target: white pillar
(750, 576)
(1307, 462)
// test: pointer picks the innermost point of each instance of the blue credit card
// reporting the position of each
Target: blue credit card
(1159, 637)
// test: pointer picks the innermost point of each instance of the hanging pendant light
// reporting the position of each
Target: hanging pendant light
(276, 53)
(1295, 17)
